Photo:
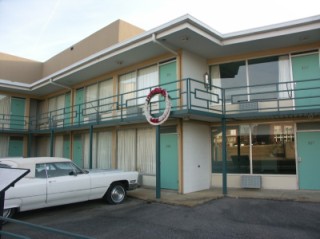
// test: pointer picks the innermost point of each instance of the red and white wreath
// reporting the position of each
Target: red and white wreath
(162, 118)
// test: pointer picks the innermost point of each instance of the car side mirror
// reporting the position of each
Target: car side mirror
(73, 172)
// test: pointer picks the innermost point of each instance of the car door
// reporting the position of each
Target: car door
(66, 184)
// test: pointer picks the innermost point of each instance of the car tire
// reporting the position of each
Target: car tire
(116, 193)
(8, 213)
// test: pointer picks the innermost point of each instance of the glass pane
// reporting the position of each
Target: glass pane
(233, 76)
(147, 78)
(128, 89)
(105, 95)
(263, 71)
(237, 149)
(273, 149)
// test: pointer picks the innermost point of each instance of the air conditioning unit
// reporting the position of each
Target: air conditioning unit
(91, 118)
(248, 106)
(251, 181)
(134, 111)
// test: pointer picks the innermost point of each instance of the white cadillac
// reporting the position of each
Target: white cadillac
(56, 181)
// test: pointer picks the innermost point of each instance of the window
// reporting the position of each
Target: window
(273, 149)
(101, 150)
(268, 148)
(127, 88)
(263, 71)
(136, 150)
(231, 75)
(4, 104)
(56, 107)
(134, 86)
(238, 149)
(99, 97)
(58, 169)
(255, 79)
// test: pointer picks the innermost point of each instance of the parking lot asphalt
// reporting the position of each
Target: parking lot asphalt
(224, 217)
(200, 197)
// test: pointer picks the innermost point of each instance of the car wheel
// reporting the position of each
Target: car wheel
(7, 213)
(116, 194)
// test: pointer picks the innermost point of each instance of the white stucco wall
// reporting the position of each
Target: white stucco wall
(193, 66)
(285, 182)
(196, 157)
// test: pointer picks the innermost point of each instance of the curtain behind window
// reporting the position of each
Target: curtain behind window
(5, 106)
(147, 78)
(284, 77)
(4, 145)
(91, 97)
(104, 150)
(146, 151)
(105, 93)
(126, 149)
(42, 146)
(58, 146)
(127, 85)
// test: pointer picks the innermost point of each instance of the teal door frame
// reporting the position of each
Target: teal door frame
(15, 146)
(17, 112)
(79, 104)
(169, 175)
(77, 150)
(167, 75)
(308, 148)
(306, 71)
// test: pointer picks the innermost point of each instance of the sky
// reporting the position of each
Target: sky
(40, 29)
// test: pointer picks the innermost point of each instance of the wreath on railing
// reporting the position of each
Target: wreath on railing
(162, 118)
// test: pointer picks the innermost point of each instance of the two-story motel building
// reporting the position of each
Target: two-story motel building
(245, 105)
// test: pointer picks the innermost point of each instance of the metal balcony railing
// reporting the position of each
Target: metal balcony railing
(13, 122)
(188, 97)
(127, 107)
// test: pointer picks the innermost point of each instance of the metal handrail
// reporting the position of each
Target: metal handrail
(186, 95)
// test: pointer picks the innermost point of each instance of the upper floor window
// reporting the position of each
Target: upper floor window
(254, 79)
(98, 97)
(134, 86)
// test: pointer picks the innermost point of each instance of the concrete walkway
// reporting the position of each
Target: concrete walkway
(197, 198)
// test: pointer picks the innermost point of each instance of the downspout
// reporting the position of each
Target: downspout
(154, 39)
(60, 85)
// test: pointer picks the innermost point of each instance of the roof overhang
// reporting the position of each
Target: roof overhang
(184, 33)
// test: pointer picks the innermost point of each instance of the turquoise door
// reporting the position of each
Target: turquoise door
(17, 120)
(66, 146)
(308, 145)
(15, 147)
(168, 78)
(77, 150)
(79, 106)
(169, 161)
(305, 70)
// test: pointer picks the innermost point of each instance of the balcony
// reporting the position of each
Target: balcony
(190, 99)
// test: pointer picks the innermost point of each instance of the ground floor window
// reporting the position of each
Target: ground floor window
(101, 150)
(136, 150)
(256, 148)
(4, 145)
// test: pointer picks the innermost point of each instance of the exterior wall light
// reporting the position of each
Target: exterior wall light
(207, 81)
